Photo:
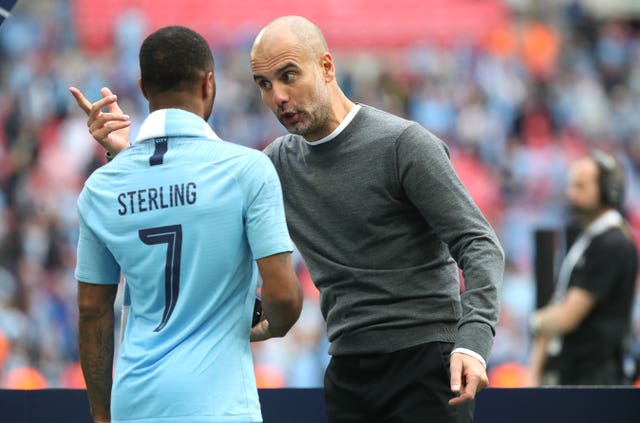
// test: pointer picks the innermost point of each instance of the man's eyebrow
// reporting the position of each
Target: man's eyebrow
(287, 66)
(278, 71)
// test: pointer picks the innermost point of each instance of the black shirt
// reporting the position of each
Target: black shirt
(608, 270)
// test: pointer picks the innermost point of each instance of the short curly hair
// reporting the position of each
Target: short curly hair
(173, 58)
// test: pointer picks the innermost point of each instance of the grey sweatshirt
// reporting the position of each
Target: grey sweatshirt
(383, 223)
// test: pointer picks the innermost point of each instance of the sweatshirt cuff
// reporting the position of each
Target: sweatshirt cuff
(476, 337)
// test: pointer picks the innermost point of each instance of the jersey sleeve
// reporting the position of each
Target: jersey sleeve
(265, 222)
(95, 263)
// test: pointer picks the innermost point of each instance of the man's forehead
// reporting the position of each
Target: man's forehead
(583, 169)
(276, 57)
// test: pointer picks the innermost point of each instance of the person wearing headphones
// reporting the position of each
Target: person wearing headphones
(587, 324)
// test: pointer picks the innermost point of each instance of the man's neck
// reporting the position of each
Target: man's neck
(177, 100)
(596, 215)
(340, 108)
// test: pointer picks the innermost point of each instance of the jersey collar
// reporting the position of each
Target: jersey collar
(174, 123)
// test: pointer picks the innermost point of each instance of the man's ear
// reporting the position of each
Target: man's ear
(328, 68)
(141, 85)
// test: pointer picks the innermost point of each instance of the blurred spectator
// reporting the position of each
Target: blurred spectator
(586, 326)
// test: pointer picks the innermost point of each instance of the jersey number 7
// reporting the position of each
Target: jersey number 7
(172, 236)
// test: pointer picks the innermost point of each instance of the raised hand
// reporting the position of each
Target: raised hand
(111, 129)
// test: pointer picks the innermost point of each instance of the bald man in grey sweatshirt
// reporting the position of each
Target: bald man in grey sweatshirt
(383, 223)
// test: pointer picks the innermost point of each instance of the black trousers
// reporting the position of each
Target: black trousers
(406, 386)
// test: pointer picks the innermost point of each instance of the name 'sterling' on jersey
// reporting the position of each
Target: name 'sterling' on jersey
(156, 198)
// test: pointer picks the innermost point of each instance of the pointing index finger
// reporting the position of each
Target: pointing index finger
(83, 103)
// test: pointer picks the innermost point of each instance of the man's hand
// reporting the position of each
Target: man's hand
(260, 332)
(110, 129)
(468, 376)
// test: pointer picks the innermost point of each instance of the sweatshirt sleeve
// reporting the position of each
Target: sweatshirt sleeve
(430, 182)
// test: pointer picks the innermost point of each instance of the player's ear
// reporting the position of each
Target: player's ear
(209, 86)
(141, 85)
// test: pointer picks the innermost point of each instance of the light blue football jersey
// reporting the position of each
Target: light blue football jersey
(184, 215)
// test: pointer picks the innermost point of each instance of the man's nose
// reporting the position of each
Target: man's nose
(280, 95)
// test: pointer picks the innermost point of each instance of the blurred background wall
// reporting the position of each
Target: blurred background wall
(516, 88)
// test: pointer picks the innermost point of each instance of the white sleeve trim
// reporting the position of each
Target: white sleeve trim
(471, 353)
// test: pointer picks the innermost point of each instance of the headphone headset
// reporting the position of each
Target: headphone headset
(610, 179)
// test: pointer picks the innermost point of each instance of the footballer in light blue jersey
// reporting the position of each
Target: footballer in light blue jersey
(184, 215)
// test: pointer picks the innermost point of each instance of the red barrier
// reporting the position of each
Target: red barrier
(379, 24)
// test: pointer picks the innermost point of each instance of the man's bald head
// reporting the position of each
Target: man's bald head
(294, 69)
(297, 31)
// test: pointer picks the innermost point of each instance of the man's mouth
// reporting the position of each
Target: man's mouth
(289, 117)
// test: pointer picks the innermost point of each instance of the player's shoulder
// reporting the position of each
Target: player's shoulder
(240, 149)
(246, 162)
(229, 151)
(97, 182)
(99, 176)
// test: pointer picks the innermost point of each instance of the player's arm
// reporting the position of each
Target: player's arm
(96, 344)
(281, 297)
(110, 129)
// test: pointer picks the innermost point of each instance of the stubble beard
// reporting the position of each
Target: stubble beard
(582, 215)
(311, 123)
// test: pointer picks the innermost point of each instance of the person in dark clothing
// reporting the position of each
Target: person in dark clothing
(587, 325)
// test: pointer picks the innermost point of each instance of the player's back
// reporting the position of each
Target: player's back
(172, 213)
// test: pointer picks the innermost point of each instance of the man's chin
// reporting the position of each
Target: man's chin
(295, 129)
(290, 127)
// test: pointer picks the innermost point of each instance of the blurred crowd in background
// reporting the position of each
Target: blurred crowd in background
(515, 107)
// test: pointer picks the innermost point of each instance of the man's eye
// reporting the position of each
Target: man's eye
(264, 84)
(289, 76)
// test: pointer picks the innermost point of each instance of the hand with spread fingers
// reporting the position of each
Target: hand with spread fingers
(468, 377)
(110, 128)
